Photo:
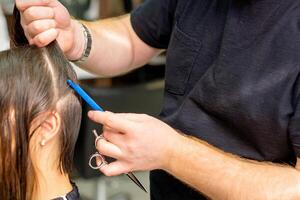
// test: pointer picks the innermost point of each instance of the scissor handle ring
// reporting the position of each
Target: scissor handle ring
(103, 162)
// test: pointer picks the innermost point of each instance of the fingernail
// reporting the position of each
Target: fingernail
(91, 114)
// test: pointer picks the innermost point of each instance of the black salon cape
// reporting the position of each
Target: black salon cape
(232, 77)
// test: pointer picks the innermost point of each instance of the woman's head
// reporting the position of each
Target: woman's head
(38, 111)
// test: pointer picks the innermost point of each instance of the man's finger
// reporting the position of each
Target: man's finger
(40, 26)
(108, 149)
(111, 120)
(130, 116)
(37, 13)
(24, 4)
(45, 38)
(116, 138)
(115, 168)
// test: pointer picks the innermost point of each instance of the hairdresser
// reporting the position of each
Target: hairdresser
(230, 124)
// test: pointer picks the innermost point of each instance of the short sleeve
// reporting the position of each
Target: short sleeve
(153, 22)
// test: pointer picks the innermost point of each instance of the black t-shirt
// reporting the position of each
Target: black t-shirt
(232, 77)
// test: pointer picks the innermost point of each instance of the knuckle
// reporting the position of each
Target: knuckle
(20, 6)
(131, 148)
(29, 14)
(51, 13)
(52, 24)
(34, 27)
(109, 121)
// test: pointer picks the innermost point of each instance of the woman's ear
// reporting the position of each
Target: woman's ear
(50, 128)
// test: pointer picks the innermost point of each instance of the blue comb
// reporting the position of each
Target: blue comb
(84, 96)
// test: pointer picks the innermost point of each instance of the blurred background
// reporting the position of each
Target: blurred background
(140, 91)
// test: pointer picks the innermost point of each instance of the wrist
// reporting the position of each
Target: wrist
(173, 150)
(78, 45)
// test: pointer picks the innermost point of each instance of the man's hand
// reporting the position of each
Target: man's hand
(44, 21)
(140, 142)
(137, 141)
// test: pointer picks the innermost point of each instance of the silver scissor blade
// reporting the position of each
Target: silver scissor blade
(136, 181)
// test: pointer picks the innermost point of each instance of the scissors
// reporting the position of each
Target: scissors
(101, 158)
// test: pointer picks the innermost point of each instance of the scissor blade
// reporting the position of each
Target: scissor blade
(136, 181)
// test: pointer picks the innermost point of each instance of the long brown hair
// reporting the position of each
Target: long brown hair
(32, 82)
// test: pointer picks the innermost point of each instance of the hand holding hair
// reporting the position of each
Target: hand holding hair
(44, 21)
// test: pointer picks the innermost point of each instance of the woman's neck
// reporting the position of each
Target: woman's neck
(52, 184)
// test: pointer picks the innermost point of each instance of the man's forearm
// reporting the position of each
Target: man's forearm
(116, 49)
(223, 176)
